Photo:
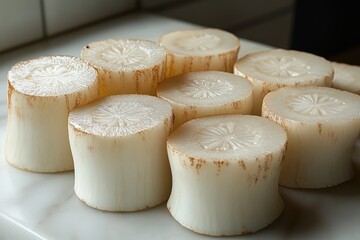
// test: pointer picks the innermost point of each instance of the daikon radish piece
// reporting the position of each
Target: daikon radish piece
(225, 174)
(270, 70)
(41, 92)
(119, 149)
(200, 50)
(346, 77)
(199, 94)
(322, 125)
(126, 65)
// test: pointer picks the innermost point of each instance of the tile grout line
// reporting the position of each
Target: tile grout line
(261, 19)
(43, 19)
(169, 5)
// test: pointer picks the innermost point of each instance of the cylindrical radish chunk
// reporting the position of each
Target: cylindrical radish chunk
(225, 174)
(273, 69)
(322, 126)
(200, 50)
(199, 94)
(346, 77)
(126, 65)
(119, 149)
(41, 92)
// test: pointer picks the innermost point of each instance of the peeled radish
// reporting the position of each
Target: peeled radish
(41, 92)
(199, 94)
(225, 174)
(322, 126)
(346, 77)
(126, 65)
(119, 149)
(270, 70)
(200, 50)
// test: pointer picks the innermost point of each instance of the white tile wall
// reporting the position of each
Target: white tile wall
(61, 15)
(225, 13)
(276, 31)
(20, 22)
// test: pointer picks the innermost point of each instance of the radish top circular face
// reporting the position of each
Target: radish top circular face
(228, 137)
(200, 42)
(205, 88)
(52, 76)
(313, 104)
(123, 54)
(284, 66)
(120, 115)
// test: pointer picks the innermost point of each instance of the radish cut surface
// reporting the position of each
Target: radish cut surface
(323, 125)
(126, 65)
(199, 94)
(119, 148)
(225, 174)
(41, 92)
(200, 50)
(273, 69)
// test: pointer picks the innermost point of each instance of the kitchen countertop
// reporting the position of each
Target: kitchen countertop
(44, 206)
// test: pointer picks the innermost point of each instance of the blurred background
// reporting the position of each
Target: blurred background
(327, 28)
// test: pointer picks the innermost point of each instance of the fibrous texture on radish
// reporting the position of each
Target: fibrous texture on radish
(199, 94)
(41, 92)
(346, 77)
(200, 50)
(126, 65)
(322, 126)
(119, 149)
(225, 174)
(273, 69)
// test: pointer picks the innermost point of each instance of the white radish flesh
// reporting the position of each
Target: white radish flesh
(346, 77)
(126, 65)
(199, 94)
(119, 149)
(225, 174)
(270, 70)
(322, 126)
(41, 92)
(200, 50)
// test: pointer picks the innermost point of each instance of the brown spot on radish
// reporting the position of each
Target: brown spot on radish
(267, 164)
(283, 153)
(199, 164)
(137, 79)
(143, 135)
(258, 171)
(219, 164)
(319, 128)
(10, 92)
(192, 161)
(242, 164)
(207, 62)
(67, 102)
(78, 132)
(328, 80)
